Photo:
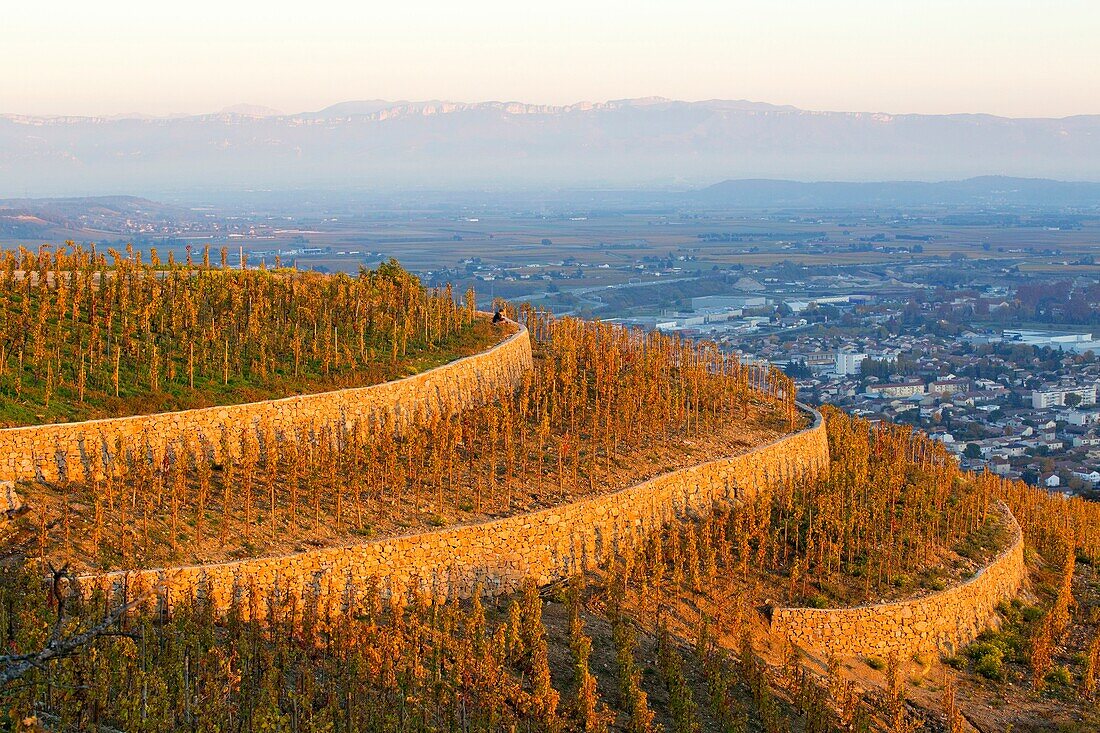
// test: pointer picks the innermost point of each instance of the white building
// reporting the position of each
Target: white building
(1063, 340)
(1078, 342)
(1090, 477)
(949, 386)
(900, 389)
(847, 364)
(1082, 417)
(722, 302)
(1055, 396)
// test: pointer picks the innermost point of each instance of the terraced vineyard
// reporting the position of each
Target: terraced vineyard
(86, 334)
(582, 528)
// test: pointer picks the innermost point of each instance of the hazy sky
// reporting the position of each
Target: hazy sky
(1009, 57)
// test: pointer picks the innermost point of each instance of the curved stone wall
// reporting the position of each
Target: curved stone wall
(73, 450)
(546, 545)
(941, 622)
(553, 543)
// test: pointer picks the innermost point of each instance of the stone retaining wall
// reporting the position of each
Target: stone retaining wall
(941, 622)
(73, 450)
(545, 545)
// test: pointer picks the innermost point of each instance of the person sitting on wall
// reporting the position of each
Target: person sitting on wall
(498, 317)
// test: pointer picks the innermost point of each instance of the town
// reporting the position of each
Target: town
(1021, 403)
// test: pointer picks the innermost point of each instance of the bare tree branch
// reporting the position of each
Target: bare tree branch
(58, 648)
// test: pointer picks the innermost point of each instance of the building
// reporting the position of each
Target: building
(1064, 340)
(1078, 342)
(896, 389)
(1055, 396)
(1083, 418)
(949, 386)
(722, 302)
(684, 321)
(1091, 477)
(815, 361)
(847, 364)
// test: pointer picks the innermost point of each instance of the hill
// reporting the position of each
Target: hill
(342, 475)
(42, 219)
(631, 533)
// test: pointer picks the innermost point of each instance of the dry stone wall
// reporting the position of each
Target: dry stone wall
(73, 450)
(941, 622)
(551, 544)
(497, 555)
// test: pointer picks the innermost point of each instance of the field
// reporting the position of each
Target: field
(581, 245)
(92, 529)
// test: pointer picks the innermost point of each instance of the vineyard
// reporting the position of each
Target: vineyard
(90, 335)
(893, 517)
(667, 635)
(670, 629)
(602, 409)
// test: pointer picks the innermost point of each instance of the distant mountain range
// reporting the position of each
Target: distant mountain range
(381, 145)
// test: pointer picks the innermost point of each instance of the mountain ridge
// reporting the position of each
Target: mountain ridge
(388, 108)
(382, 145)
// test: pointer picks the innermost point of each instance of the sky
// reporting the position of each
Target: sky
(1007, 57)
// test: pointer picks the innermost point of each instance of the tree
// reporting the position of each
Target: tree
(973, 450)
(1072, 399)
(797, 369)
